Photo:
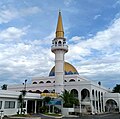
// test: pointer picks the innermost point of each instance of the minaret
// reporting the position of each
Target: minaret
(59, 48)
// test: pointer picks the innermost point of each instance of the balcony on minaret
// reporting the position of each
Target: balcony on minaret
(59, 44)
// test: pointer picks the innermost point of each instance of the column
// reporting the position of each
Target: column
(119, 103)
(91, 102)
(35, 106)
(100, 104)
(2, 109)
(98, 101)
(95, 104)
(42, 103)
(80, 101)
(103, 102)
(26, 106)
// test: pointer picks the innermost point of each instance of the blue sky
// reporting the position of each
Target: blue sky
(92, 29)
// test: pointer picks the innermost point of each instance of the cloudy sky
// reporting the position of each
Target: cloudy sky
(92, 29)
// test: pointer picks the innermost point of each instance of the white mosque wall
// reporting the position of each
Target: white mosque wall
(113, 96)
(47, 83)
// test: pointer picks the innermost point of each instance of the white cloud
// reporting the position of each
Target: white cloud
(104, 41)
(12, 33)
(96, 16)
(117, 3)
(94, 57)
(29, 11)
(76, 39)
(8, 14)
(99, 55)
(68, 2)
(24, 58)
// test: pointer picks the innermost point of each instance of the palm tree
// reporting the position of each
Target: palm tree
(46, 100)
(68, 99)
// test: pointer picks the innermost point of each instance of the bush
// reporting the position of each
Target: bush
(43, 109)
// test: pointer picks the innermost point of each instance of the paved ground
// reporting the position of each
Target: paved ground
(102, 116)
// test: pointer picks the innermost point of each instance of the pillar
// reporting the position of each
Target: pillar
(80, 101)
(91, 102)
(95, 104)
(26, 106)
(103, 103)
(98, 105)
(119, 103)
(35, 106)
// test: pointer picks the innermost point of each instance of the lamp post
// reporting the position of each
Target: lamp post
(25, 84)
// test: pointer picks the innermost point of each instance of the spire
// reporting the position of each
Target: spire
(59, 29)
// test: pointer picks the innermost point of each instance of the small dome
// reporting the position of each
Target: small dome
(68, 70)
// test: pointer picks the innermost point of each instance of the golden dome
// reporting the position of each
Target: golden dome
(68, 70)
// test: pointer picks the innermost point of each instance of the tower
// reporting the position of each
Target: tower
(59, 48)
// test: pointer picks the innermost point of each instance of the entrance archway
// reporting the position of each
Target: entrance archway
(30, 106)
(85, 95)
(85, 101)
(111, 106)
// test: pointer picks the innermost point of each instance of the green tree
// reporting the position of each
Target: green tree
(68, 99)
(4, 87)
(21, 99)
(116, 89)
(46, 99)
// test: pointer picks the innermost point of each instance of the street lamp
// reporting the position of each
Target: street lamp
(25, 84)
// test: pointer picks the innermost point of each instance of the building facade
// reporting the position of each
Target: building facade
(93, 97)
(10, 105)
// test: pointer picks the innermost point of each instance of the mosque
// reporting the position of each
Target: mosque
(93, 97)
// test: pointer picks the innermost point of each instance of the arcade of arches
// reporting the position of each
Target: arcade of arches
(91, 102)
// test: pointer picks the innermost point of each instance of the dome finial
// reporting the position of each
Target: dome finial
(59, 29)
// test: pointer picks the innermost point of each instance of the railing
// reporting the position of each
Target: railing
(59, 46)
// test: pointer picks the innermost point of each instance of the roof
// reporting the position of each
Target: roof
(68, 70)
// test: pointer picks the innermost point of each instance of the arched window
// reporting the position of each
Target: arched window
(93, 93)
(37, 91)
(72, 80)
(70, 73)
(59, 43)
(65, 81)
(64, 42)
(34, 82)
(55, 43)
(48, 82)
(45, 91)
(41, 82)
(30, 91)
(74, 92)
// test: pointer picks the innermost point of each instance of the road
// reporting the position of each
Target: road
(103, 116)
